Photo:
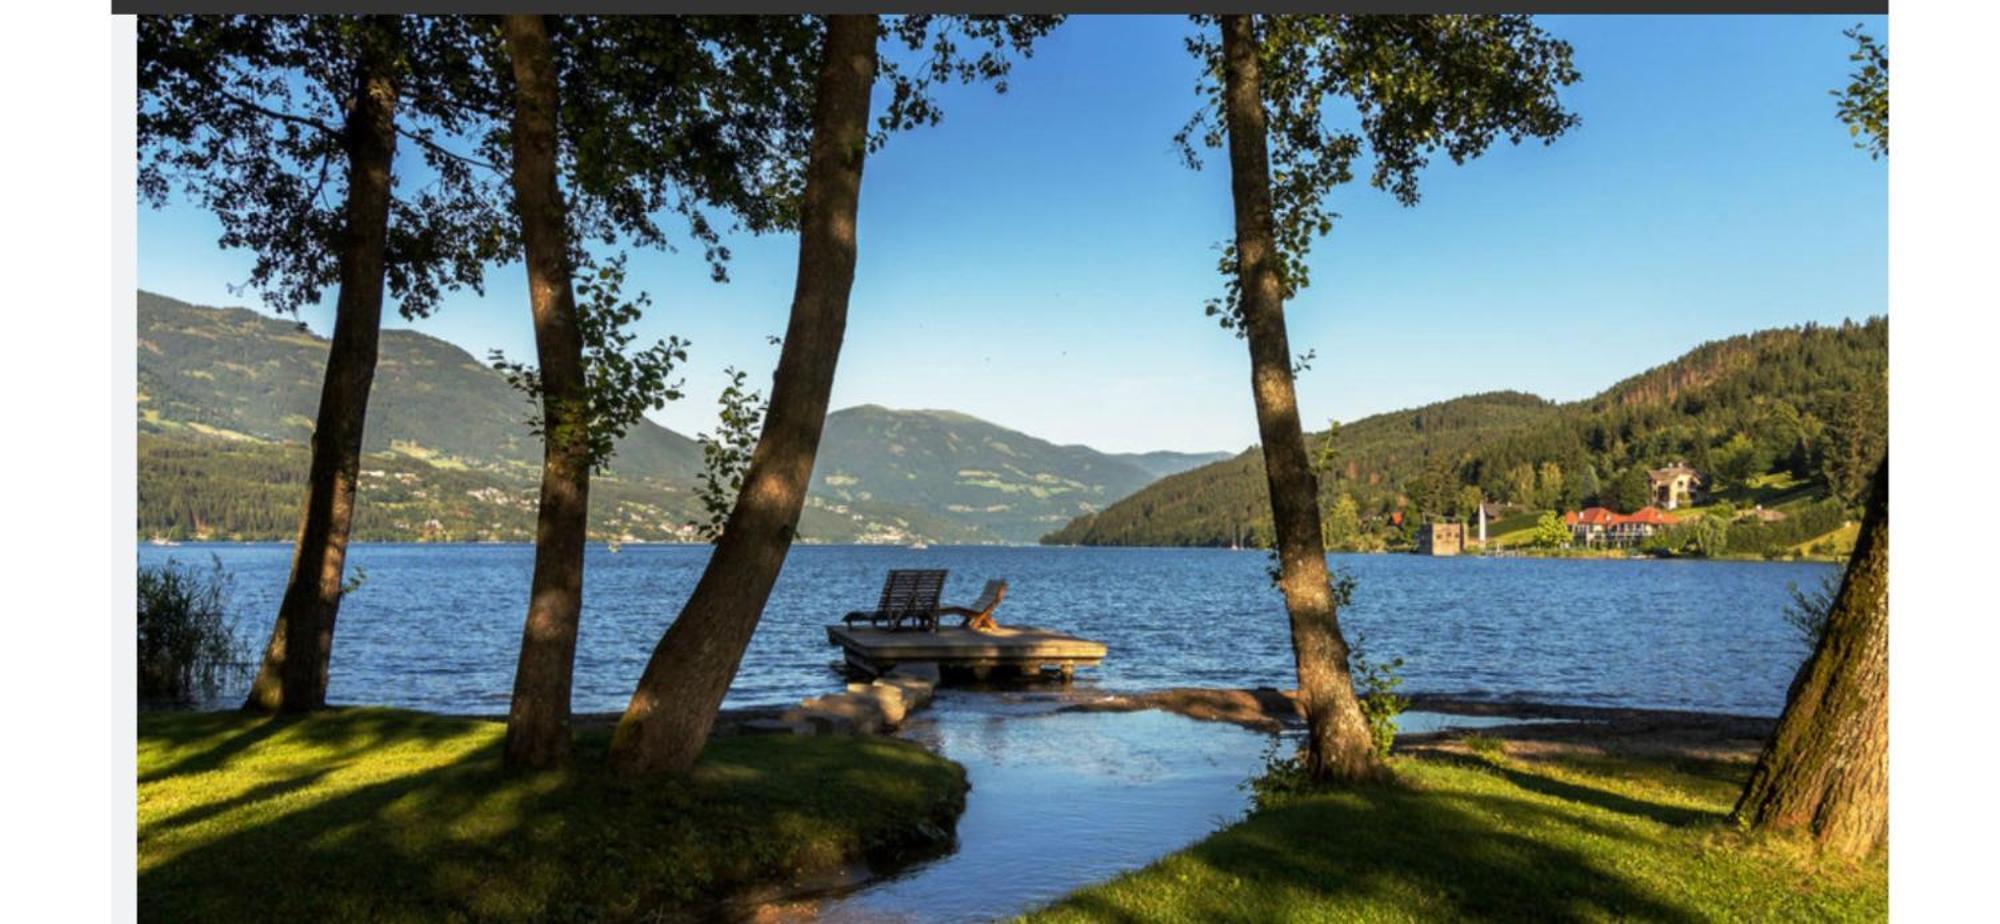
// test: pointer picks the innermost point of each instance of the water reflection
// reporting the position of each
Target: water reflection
(1060, 801)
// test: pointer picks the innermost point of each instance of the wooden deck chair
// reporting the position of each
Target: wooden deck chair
(907, 596)
(980, 614)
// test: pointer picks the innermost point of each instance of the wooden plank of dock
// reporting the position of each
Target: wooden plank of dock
(1023, 648)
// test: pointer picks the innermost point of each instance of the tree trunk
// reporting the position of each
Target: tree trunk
(1826, 767)
(294, 671)
(1340, 747)
(538, 721)
(668, 720)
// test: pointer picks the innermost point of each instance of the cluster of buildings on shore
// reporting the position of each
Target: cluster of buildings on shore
(1591, 527)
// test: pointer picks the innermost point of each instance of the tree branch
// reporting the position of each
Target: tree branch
(424, 140)
(307, 121)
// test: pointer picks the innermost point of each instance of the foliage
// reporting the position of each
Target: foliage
(245, 117)
(1473, 837)
(384, 815)
(1736, 461)
(1418, 86)
(677, 116)
(1550, 532)
(1864, 105)
(187, 646)
(1807, 611)
(1630, 490)
(1466, 506)
(1804, 523)
(1343, 525)
(621, 383)
(726, 452)
(1283, 779)
(1376, 683)
(1326, 458)
(935, 40)
(1703, 536)
(1856, 437)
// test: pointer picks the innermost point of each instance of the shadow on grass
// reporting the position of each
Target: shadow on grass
(1399, 853)
(405, 833)
(1525, 778)
(213, 739)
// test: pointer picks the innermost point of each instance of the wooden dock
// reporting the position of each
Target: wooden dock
(1002, 651)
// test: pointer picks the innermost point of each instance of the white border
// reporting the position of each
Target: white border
(68, 358)
(1941, 418)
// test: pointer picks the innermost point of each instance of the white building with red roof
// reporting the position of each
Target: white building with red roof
(1607, 527)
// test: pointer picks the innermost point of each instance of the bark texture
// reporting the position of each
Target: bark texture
(538, 733)
(1339, 745)
(293, 675)
(674, 706)
(1826, 768)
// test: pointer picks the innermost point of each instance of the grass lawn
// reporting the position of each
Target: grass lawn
(385, 815)
(1775, 489)
(1492, 837)
(1841, 541)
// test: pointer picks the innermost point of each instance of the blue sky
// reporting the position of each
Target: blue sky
(1041, 258)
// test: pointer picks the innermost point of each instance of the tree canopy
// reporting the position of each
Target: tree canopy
(1397, 90)
(244, 116)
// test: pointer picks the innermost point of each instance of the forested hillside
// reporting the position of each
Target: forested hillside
(226, 401)
(1226, 502)
(233, 372)
(1810, 402)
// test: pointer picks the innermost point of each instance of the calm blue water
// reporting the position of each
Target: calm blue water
(438, 626)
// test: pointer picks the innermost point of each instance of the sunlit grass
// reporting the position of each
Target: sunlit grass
(1486, 836)
(371, 814)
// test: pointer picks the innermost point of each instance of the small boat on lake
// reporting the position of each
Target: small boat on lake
(903, 628)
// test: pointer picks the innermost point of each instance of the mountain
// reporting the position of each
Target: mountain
(1793, 415)
(234, 373)
(1009, 485)
(1162, 463)
(227, 396)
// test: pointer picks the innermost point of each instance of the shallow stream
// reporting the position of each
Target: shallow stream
(1061, 800)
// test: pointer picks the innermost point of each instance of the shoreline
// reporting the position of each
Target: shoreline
(1629, 729)
(1547, 727)
(1560, 554)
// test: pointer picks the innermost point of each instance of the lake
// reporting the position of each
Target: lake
(438, 627)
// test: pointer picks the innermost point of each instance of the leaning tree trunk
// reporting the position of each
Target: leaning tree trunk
(538, 721)
(1826, 767)
(294, 671)
(1340, 747)
(668, 720)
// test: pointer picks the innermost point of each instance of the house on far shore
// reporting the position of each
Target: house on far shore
(1441, 539)
(1599, 526)
(1589, 525)
(1675, 485)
